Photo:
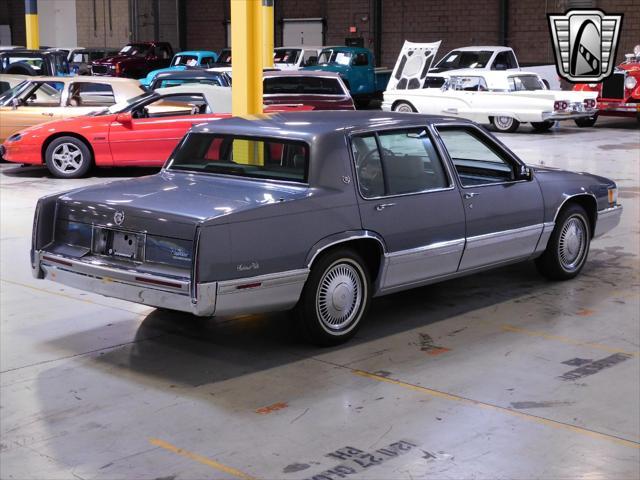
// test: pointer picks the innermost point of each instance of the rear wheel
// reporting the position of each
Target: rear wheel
(505, 124)
(542, 126)
(404, 107)
(568, 246)
(68, 157)
(335, 298)
(586, 122)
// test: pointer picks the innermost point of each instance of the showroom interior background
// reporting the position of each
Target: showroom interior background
(204, 24)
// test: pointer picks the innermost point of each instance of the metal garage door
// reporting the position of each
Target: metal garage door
(302, 31)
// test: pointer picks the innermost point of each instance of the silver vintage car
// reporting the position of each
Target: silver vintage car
(318, 212)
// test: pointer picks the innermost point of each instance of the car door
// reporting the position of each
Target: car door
(503, 206)
(37, 104)
(407, 195)
(149, 137)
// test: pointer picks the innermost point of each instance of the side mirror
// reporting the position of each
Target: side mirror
(15, 103)
(125, 118)
(525, 173)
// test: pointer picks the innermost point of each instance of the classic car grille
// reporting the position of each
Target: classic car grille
(613, 87)
(100, 69)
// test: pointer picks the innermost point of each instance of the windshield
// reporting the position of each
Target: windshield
(525, 83)
(13, 91)
(286, 55)
(189, 60)
(123, 105)
(334, 56)
(273, 159)
(463, 59)
(225, 57)
(135, 50)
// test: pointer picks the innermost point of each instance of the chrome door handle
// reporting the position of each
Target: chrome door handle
(469, 195)
(382, 206)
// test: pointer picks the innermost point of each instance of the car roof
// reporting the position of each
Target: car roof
(481, 47)
(311, 125)
(219, 98)
(301, 73)
(186, 74)
(196, 52)
(301, 47)
(84, 79)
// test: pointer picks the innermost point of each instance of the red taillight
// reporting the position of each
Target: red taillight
(589, 103)
(117, 69)
(560, 105)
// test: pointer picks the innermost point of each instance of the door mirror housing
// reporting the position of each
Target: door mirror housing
(15, 103)
(125, 118)
(525, 173)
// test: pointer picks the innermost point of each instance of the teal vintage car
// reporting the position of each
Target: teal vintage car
(183, 61)
(356, 66)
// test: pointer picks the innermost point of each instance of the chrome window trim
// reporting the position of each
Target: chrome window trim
(445, 164)
(507, 152)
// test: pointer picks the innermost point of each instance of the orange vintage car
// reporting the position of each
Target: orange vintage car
(42, 99)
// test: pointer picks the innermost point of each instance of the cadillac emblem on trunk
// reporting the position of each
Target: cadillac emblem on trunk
(118, 217)
(585, 43)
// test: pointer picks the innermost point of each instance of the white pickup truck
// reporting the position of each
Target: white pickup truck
(486, 58)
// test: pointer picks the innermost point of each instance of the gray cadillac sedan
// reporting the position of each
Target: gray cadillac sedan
(318, 212)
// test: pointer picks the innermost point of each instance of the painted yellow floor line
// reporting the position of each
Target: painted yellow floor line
(496, 408)
(201, 459)
(567, 340)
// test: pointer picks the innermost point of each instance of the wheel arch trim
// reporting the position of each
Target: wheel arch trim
(339, 238)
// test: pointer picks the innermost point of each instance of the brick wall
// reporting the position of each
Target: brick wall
(630, 34)
(205, 24)
(96, 28)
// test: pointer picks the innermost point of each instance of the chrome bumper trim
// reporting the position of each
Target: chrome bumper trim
(554, 116)
(608, 219)
(271, 292)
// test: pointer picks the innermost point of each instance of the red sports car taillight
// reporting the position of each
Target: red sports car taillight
(561, 105)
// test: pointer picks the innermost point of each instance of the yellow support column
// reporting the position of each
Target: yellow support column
(246, 69)
(246, 65)
(31, 22)
(267, 32)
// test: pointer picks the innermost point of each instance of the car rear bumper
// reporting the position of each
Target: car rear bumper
(272, 292)
(608, 219)
(559, 116)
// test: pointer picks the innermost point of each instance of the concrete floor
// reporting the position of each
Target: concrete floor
(456, 380)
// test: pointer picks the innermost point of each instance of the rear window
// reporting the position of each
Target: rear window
(286, 55)
(265, 158)
(302, 85)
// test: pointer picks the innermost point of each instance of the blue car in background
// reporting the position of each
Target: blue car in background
(184, 61)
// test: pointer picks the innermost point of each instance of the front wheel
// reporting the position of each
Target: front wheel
(404, 107)
(586, 121)
(542, 126)
(505, 124)
(568, 246)
(335, 298)
(68, 157)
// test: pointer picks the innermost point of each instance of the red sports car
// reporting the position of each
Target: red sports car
(142, 131)
(618, 95)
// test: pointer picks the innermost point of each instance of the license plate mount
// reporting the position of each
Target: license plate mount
(119, 244)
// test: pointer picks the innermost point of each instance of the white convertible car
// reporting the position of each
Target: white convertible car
(504, 99)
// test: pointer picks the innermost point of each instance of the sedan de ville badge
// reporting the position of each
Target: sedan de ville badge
(585, 43)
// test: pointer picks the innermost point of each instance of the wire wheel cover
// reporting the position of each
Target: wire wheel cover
(67, 157)
(504, 122)
(572, 243)
(339, 296)
(403, 107)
